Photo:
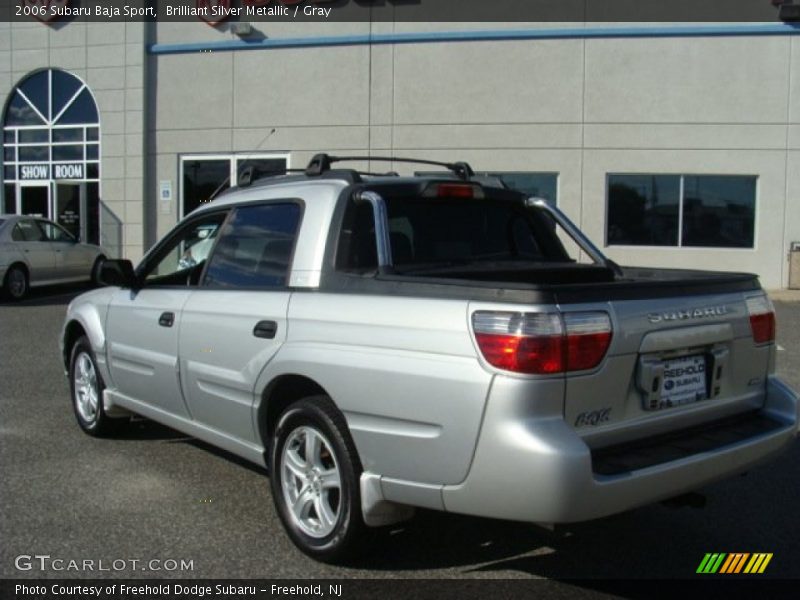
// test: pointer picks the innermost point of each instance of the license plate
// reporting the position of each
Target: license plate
(684, 381)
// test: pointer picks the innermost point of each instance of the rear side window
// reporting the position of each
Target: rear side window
(255, 247)
(27, 231)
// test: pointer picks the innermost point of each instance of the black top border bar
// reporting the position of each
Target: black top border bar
(217, 12)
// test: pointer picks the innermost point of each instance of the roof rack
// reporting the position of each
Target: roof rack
(320, 166)
(321, 163)
(250, 176)
(250, 173)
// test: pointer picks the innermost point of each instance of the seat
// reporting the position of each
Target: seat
(274, 264)
(402, 251)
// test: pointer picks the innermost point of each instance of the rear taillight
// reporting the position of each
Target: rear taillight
(762, 319)
(588, 338)
(542, 343)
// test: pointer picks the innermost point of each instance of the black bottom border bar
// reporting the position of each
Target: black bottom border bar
(389, 589)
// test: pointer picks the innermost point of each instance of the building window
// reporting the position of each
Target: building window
(540, 185)
(712, 211)
(206, 176)
(202, 179)
(51, 152)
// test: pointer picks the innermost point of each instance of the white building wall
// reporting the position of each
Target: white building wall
(109, 57)
(580, 107)
(583, 108)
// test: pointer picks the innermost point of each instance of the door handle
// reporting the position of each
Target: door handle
(265, 329)
(166, 319)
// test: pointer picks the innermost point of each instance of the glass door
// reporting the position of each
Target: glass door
(202, 178)
(34, 199)
(70, 206)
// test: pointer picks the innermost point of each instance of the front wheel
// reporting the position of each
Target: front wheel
(314, 474)
(16, 282)
(86, 386)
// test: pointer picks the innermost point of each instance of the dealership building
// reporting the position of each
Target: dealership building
(674, 145)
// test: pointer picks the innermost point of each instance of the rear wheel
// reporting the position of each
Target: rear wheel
(86, 385)
(16, 282)
(95, 276)
(314, 475)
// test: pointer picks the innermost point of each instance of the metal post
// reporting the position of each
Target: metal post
(382, 241)
(572, 230)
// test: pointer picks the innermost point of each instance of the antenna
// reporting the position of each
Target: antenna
(245, 159)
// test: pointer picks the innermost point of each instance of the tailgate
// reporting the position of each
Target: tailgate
(673, 363)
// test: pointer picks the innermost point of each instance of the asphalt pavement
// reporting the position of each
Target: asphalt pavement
(156, 494)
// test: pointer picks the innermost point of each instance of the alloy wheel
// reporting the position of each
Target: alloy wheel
(86, 392)
(311, 481)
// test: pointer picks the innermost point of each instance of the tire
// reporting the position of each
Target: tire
(86, 387)
(326, 523)
(16, 283)
(95, 275)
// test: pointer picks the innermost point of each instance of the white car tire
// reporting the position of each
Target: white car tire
(86, 388)
(16, 283)
(316, 492)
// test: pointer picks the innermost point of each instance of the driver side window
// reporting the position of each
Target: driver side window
(181, 259)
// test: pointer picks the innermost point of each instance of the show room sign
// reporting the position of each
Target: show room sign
(60, 171)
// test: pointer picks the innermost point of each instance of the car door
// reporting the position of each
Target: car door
(70, 256)
(142, 325)
(36, 250)
(233, 325)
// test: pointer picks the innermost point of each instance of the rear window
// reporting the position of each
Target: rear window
(436, 231)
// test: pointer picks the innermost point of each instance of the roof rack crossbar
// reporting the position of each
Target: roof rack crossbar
(250, 173)
(322, 162)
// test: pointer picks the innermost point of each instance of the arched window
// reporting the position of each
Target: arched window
(51, 151)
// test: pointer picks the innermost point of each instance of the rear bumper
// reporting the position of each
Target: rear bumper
(536, 468)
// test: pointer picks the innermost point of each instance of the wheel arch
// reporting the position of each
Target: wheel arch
(72, 331)
(22, 264)
(279, 393)
(85, 320)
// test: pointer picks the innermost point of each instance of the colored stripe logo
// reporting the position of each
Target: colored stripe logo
(734, 563)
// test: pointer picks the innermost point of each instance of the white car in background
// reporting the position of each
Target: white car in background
(35, 252)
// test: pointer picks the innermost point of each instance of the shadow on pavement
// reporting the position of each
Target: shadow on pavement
(652, 542)
(142, 429)
(52, 295)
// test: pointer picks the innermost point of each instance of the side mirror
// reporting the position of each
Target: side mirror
(119, 273)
